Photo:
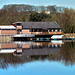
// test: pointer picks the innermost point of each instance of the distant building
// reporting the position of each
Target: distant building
(45, 11)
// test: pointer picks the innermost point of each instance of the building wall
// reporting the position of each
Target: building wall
(53, 33)
(26, 31)
(9, 32)
(9, 45)
(19, 27)
(26, 46)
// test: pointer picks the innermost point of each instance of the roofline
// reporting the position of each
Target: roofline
(17, 22)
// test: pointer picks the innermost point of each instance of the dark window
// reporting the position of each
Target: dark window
(40, 30)
(31, 30)
(19, 24)
(45, 30)
(19, 45)
(59, 30)
(8, 29)
(35, 30)
(19, 31)
(50, 30)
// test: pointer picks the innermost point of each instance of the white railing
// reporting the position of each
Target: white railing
(24, 35)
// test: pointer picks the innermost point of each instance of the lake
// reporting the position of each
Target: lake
(55, 57)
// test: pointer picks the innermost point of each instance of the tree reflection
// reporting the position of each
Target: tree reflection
(66, 55)
(8, 59)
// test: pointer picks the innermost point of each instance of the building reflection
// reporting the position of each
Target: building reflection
(31, 48)
(18, 53)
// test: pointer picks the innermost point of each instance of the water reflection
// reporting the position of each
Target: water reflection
(18, 53)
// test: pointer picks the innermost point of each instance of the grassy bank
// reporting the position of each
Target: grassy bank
(5, 39)
(69, 35)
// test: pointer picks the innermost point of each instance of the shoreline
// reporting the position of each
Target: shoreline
(67, 36)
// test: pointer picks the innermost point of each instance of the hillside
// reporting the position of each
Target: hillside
(30, 8)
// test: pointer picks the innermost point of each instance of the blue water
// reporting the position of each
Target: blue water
(42, 59)
(40, 68)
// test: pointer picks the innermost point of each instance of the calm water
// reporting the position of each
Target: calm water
(37, 58)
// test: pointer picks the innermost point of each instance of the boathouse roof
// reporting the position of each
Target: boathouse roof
(7, 27)
(43, 25)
